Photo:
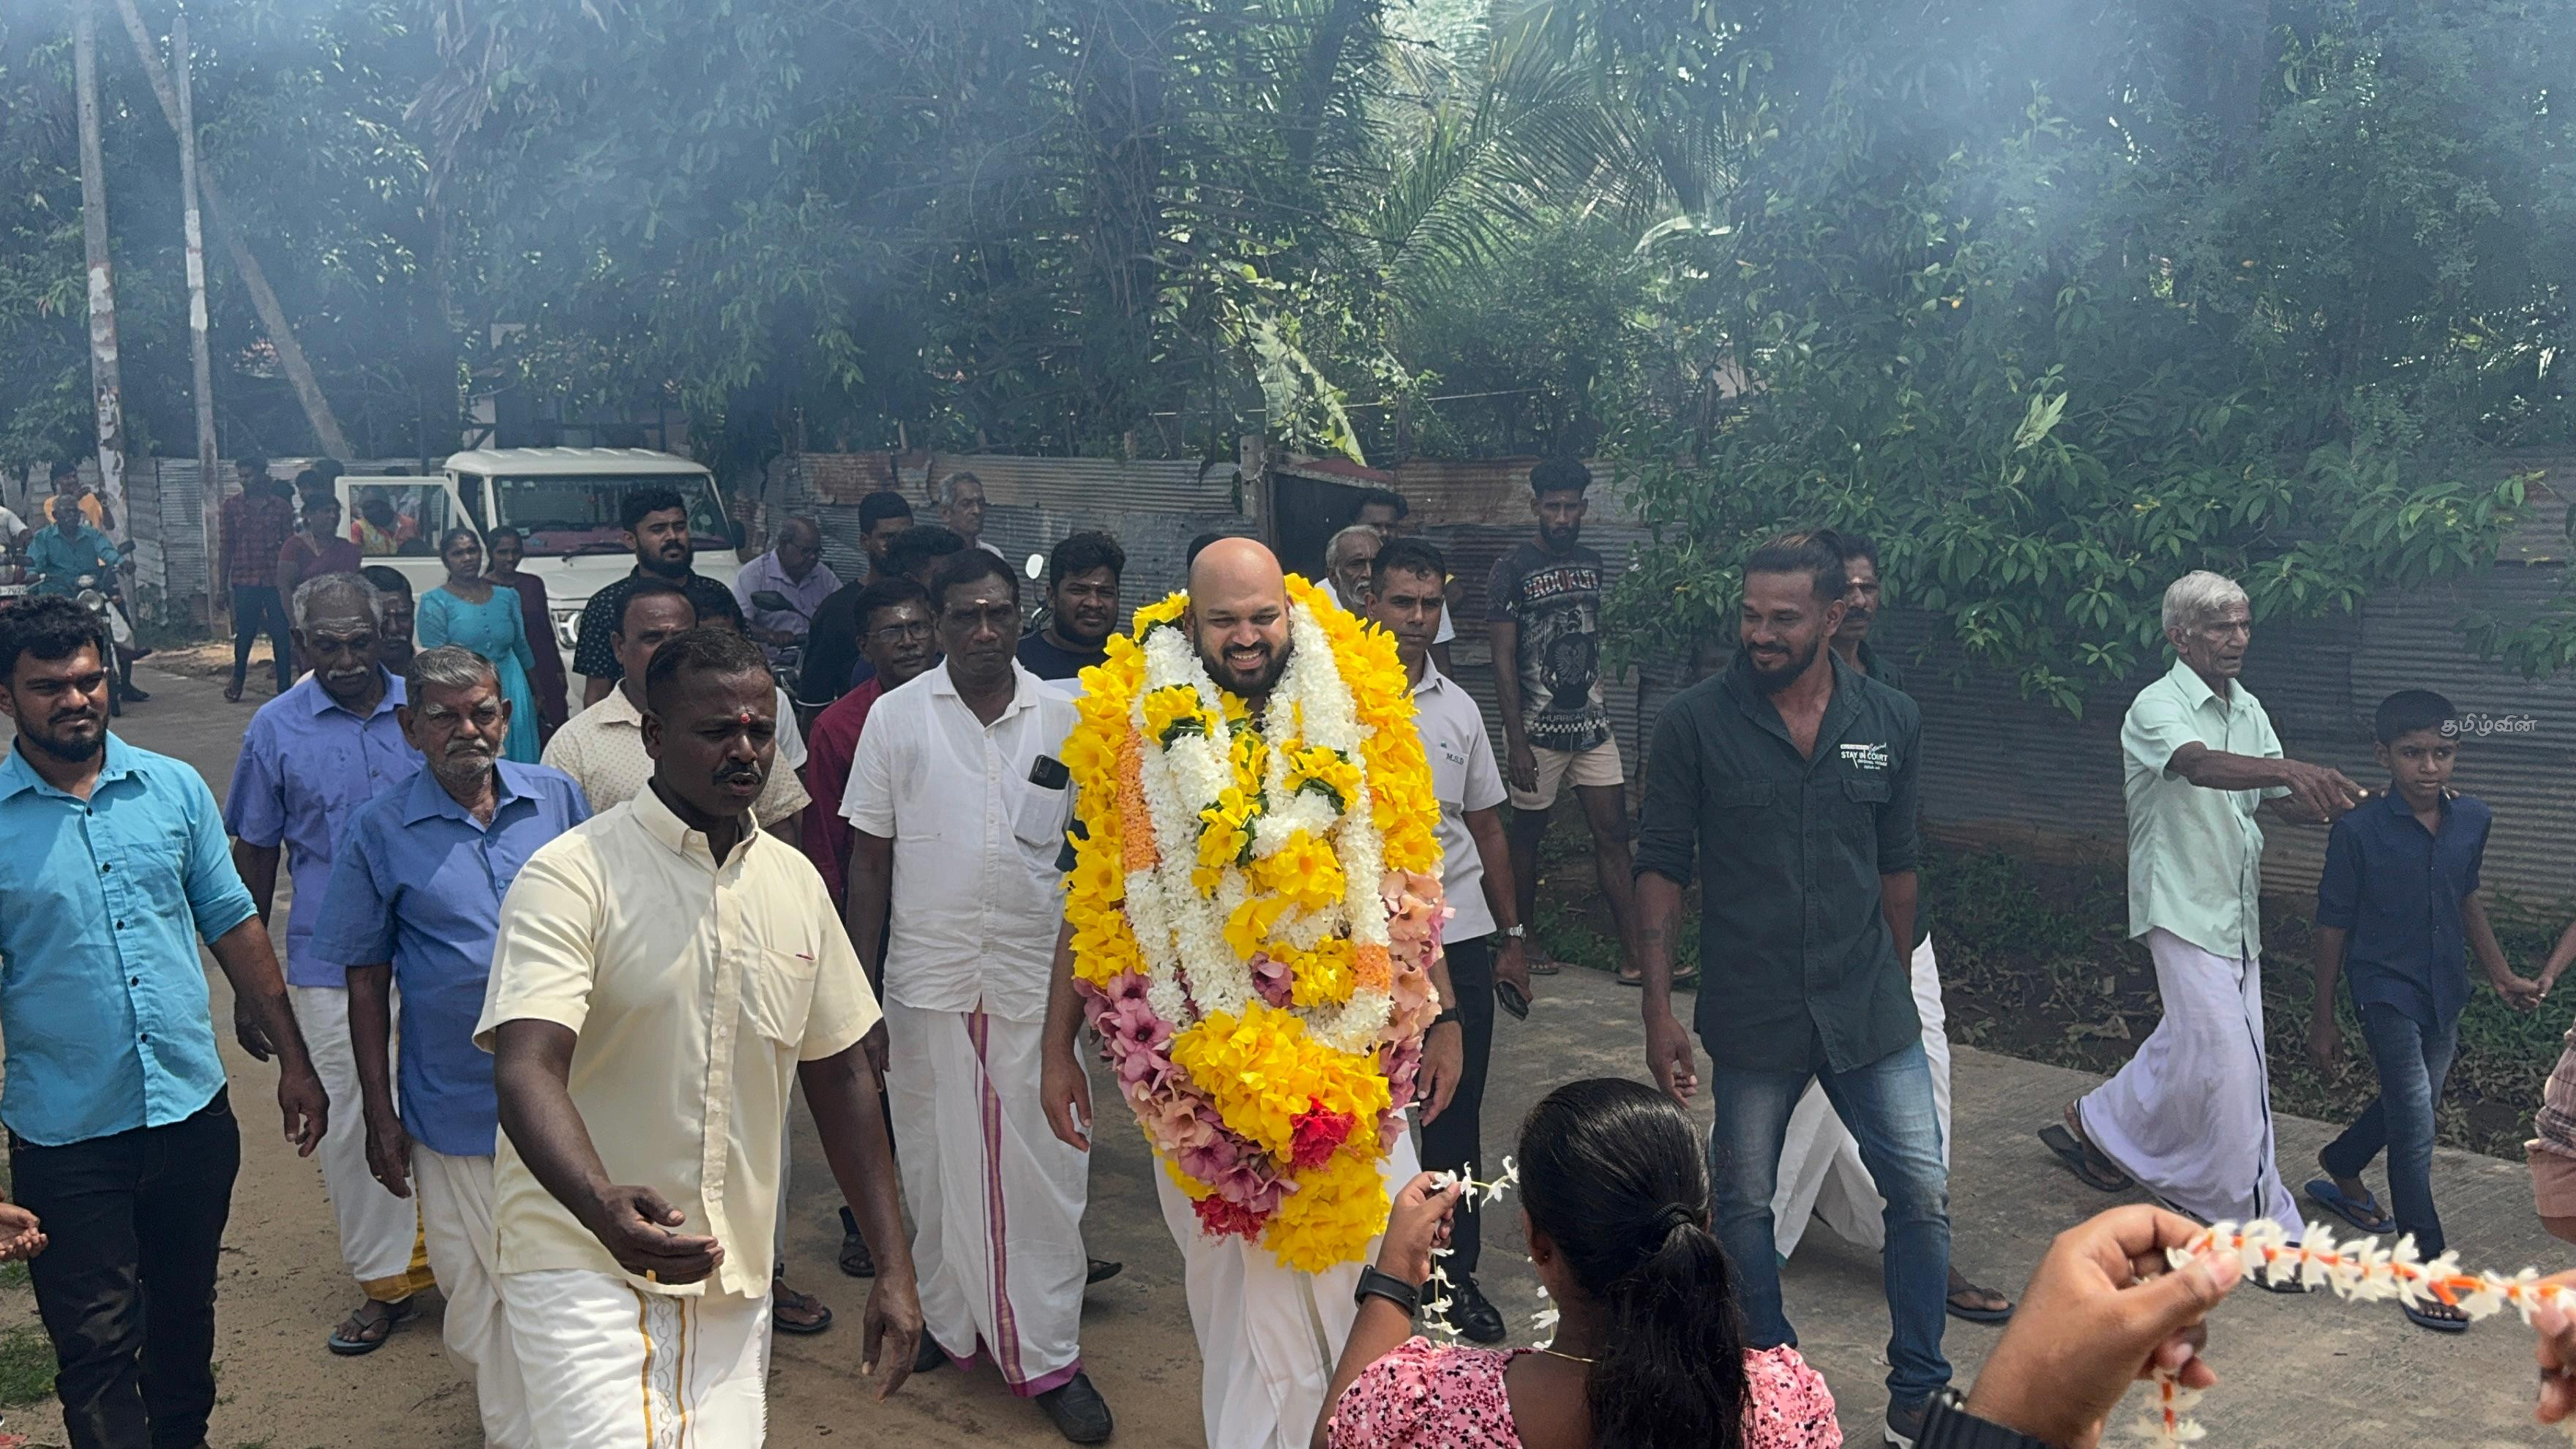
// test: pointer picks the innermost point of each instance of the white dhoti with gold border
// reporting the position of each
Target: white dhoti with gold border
(621, 1368)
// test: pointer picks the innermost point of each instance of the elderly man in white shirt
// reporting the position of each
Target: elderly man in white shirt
(959, 810)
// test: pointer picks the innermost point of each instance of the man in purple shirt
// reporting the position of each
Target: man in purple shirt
(796, 571)
(311, 757)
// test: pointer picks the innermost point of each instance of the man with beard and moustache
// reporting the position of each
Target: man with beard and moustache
(1821, 1174)
(663, 975)
(414, 905)
(1543, 609)
(1406, 598)
(2190, 1116)
(656, 521)
(1082, 597)
(1789, 780)
(969, 918)
(311, 757)
(1268, 1335)
(122, 1141)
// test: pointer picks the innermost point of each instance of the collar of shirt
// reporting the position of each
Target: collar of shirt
(428, 799)
(1025, 688)
(1758, 707)
(116, 761)
(682, 838)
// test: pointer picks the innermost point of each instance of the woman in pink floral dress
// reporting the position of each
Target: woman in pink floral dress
(1648, 1353)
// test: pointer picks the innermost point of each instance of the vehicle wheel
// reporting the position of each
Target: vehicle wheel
(115, 687)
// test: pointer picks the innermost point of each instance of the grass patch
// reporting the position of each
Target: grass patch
(26, 1364)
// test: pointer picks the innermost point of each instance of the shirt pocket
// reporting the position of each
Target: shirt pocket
(778, 993)
(1737, 799)
(1039, 817)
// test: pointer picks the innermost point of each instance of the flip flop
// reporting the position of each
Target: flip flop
(347, 1346)
(2367, 1215)
(2071, 1151)
(1966, 1314)
(2435, 1322)
(784, 1324)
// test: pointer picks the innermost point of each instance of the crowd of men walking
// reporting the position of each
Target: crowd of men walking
(552, 971)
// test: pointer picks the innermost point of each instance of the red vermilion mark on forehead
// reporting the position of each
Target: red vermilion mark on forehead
(744, 717)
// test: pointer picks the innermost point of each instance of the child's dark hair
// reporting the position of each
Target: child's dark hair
(2409, 710)
(1613, 1173)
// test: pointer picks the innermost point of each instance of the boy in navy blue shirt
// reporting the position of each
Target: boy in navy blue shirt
(2398, 911)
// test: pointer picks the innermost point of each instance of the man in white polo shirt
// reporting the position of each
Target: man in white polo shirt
(958, 808)
(1405, 598)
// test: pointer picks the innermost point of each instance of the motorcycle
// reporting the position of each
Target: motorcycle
(789, 666)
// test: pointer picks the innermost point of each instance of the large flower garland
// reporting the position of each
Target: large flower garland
(1255, 908)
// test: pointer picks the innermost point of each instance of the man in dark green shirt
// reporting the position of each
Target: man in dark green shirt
(1790, 779)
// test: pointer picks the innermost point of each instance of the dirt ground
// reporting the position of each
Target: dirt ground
(2303, 1372)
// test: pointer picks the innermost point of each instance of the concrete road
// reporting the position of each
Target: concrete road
(2304, 1372)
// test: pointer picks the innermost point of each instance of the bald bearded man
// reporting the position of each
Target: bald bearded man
(1268, 1334)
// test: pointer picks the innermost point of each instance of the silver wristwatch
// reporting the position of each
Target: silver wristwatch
(1516, 932)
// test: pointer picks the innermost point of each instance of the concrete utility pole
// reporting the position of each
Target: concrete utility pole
(109, 394)
(263, 298)
(200, 356)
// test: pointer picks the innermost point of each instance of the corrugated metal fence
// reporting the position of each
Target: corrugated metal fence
(1154, 507)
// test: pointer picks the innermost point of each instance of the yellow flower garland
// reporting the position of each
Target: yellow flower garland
(1262, 1070)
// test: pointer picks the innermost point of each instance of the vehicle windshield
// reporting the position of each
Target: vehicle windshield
(577, 513)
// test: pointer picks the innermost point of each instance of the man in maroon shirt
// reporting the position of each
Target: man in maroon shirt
(893, 615)
(257, 521)
(893, 618)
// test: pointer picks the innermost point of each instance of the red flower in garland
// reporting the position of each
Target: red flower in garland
(1320, 1134)
(1220, 1218)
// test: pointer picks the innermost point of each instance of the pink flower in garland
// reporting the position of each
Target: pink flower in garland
(1219, 1218)
(1270, 980)
(1319, 1134)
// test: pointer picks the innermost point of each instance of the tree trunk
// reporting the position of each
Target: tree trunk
(105, 386)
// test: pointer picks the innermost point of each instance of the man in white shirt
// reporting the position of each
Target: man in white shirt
(1405, 598)
(959, 810)
(663, 975)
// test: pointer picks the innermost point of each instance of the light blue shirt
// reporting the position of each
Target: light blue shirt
(306, 765)
(419, 883)
(63, 560)
(102, 903)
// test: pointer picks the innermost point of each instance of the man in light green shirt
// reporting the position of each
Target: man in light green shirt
(2190, 1116)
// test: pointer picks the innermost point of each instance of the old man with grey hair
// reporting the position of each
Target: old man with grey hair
(311, 757)
(961, 507)
(2190, 1117)
(414, 905)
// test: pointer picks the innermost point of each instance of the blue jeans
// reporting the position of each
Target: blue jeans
(2412, 1063)
(1888, 1107)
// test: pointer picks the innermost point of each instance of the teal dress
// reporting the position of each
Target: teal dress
(494, 630)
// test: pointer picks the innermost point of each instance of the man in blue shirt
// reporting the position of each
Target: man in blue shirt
(311, 757)
(122, 1142)
(414, 903)
(2398, 913)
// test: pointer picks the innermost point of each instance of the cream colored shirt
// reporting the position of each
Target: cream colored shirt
(602, 748)
(977, 896)
(695, 988)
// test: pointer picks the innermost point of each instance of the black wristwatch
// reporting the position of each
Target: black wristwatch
(1374, 1284)
(1449, 1014)
(1947, 1424)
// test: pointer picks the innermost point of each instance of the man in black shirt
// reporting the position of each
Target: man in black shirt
(656, 521)
(1082, 597)
(1789, 780)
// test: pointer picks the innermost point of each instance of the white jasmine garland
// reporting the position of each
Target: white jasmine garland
(1180, 930)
